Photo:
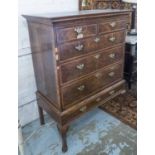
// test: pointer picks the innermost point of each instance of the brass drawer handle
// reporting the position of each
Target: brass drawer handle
(123, 91)
(98, 99)
(97, 56)
(111, 92)
(111, 74)
(97, 39)
(81, 88)
(80, 66)
(112, 39)
(83, 109)
(78, 29)
(113, 24)
(98, 75)
(79, 36)
(79, 47)
(112, 55)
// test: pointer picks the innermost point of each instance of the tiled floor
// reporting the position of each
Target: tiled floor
(95, 133)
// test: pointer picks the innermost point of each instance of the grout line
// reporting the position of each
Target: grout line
(24, 55)
(23, 49)
(20, 106)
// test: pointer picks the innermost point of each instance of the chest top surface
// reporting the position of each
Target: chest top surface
(54, 17)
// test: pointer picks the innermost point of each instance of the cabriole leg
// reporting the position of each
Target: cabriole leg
(63, 134)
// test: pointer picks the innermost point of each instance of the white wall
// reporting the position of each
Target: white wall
(27, 100)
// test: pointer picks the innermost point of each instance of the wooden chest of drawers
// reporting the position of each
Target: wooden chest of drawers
(78, 60)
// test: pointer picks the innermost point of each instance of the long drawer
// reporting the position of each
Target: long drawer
(94, 101)
(74, 92)
(85, 46)
(81, 67)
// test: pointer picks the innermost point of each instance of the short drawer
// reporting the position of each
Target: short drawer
(81, 47)
(75, 32)
(112, 25)
(77, 91)
(94, 101)
(81, 67)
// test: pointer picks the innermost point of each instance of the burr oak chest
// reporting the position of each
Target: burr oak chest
(78, 60)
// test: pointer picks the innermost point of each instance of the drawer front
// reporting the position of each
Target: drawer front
(77, 91)
(94, 101)
(78, 48)
(81, 67)
(75, 33)
(112, 26)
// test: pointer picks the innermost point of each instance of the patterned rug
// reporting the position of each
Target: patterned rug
(124, 107)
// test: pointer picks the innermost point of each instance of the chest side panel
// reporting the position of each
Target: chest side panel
(44, 61)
